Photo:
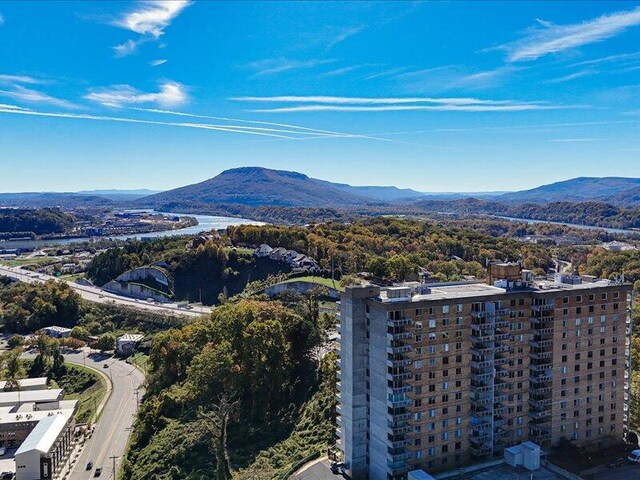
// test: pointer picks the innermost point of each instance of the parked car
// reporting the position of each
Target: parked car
(617, 463)
(89, 465)
(7, 475)
(98, 472)
(105, 365)
(634, 457)
(3, 450)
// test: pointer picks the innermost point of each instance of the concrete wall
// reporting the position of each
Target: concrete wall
(145, 273)
(300, 287)
(135, 290)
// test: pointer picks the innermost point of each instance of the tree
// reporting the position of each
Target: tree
(13, 369)
(15, 341)
(105, 342)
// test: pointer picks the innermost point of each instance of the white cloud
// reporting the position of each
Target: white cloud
(19, 92)
(127, 48)
(551, 38)
(343, 35)
(11, 107)
(12, 79)
(516, 107)
(149, 19)
(170, 94)
(572, 76)
(152, 17)
(159, 61)
(279, 65)
(373, 100)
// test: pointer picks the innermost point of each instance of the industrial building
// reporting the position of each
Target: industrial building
(127, 343)
(39, 383)
(435, 376)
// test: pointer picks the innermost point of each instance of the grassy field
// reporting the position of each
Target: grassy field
(140, 361)
(325, 282)
(21, 262)
(90, 398)
(242, 250)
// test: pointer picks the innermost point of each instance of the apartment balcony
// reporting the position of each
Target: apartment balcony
(502, 373)
(398, 467)
(482, 364)
(482, 377)
(539, 405)
(482, 401)
(541, 355)
(541, 365)
(400, 376)
(541, 416)
(481, 339)
(400, 417)
(392, 337)
(543, 321)
(398, 402)
(543, 308)
(543, 391)
(479, 436)
(481, 328)
(541, 438)
(541, 343)
(399, 390)
(400, 322)
(501, 410)
(484, 350)
(399, 349)
(542, 333)
(479, 313)
(481, 411)
(502, 311)
(399, 363)
(501, 348)
(503, 323)
(398, 457)
(400, 429)
(502, 336)
(481, 388)
(394, 444)
(501, 361)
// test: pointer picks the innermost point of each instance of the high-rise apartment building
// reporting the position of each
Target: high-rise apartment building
(436, 376)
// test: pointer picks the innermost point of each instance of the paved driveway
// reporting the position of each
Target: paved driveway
(317, 470)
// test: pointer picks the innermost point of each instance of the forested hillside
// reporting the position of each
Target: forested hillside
(38, 221)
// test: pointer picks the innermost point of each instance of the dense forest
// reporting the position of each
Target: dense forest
(39, 221)
(243, 372)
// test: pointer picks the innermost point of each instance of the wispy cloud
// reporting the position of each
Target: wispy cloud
(397, 108)
(387, 104)
(127, 48)
(12, 79)
(342, 35)
(572, 76)
(619, 58)
(573, 140)
(548, 38)
(386, 73)
(18, 92)
(349, 69)
(450, 77)
(1, 19)
(155, 63)
(11, 107)
(272, 66)
(170, 94)
(149, 19)
(152, 17)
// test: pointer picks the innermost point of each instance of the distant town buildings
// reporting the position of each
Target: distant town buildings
(435, 376)
(617, 246)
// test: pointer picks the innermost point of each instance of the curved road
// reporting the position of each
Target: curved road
(97, 295)
(113, 428)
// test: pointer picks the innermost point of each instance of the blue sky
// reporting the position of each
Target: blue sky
(445, 96)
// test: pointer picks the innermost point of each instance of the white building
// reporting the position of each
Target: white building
(263, 250)
(48, 399)
(57, 332)
(617, 246)
(46, 448)
(25, 384)
(127, 343)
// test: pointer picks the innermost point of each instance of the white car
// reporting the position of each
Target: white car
(3, 450)
(634, 457)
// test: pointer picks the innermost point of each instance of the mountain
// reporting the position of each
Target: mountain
(120, 195)
(581, 189)
(256, 186)
(53, 199)
(381, 194)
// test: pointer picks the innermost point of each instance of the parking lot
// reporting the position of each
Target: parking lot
(627, 472)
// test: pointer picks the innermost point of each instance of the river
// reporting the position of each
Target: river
(205, 223)
(573, 225)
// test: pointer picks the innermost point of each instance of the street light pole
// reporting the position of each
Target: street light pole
(114, 457)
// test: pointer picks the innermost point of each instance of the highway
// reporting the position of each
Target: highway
(97, 295)
(114, 426)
